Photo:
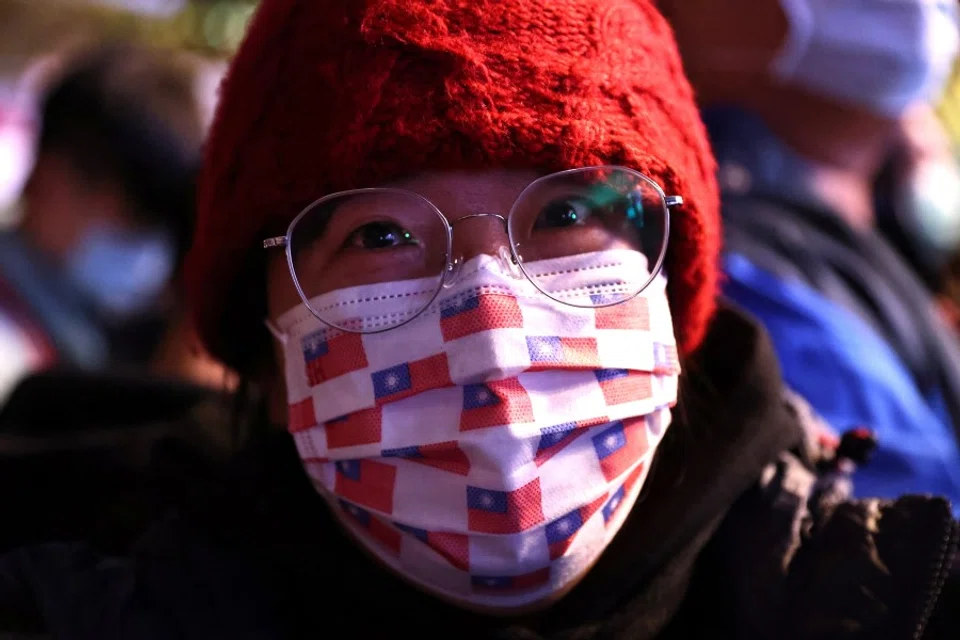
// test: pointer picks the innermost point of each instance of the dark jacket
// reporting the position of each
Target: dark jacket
(733, 537)
(98, 457)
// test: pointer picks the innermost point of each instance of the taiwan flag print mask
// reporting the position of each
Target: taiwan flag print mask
(490, 449)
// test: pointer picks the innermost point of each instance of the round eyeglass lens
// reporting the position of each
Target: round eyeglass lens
(344, 247)
(591, 237)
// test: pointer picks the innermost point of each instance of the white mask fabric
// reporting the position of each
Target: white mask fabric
(490, 449)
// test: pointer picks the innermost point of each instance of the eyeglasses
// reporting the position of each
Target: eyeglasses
(369, 236)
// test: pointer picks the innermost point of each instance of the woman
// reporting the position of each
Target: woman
(463, 248)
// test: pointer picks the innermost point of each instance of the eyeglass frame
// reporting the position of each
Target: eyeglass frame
(284, 241)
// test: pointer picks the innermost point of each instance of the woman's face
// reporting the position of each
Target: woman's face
(388, 237)
(578, 227)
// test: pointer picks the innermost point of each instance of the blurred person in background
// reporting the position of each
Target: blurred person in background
(110, 408)
(804, 102)
(465, 250)
(88, 279)
(918, 202)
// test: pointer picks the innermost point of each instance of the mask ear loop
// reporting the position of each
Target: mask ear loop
(275, 331)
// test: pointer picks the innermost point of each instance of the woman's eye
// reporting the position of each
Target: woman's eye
(380, 235)
(567, 212)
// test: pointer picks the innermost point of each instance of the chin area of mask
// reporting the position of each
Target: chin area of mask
(882, 56)
(122, 272)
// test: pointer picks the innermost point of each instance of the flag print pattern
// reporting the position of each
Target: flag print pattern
(561, 532)
(620, 386)
(493, 511)
(466, 315)
(665, 358)
(447, 456)
(361, 427)
(554, 439)
(495, 404)
(619, 445)
(617, 498)
(634, 314)
(412, 453)
(511, 584)
(388, 537)
(301, 415)
(366, 482)
(328, 358)
(550, 352)
(410, 378)
(453, 547)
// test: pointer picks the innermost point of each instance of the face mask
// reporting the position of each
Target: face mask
(489, 450)
(121, 272)
(881, 54)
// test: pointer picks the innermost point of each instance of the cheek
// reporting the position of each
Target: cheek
(281, 297)
(281, 293)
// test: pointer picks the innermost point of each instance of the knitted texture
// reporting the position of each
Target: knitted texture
(326, 95)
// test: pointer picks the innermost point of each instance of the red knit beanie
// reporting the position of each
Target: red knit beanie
(326, 95)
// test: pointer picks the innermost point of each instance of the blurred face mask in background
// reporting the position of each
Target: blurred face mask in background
(122, 272)
(882, 55)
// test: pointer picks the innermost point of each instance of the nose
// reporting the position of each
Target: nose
(480, 234)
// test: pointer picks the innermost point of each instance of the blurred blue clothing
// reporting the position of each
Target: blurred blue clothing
(852, 377)
(854, 329)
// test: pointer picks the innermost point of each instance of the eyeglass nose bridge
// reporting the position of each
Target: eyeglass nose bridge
(499, 217)
(505, 254)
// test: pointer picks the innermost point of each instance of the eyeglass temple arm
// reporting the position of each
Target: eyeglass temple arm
(281, 241)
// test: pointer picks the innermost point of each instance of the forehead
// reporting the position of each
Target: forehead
(458, 193)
